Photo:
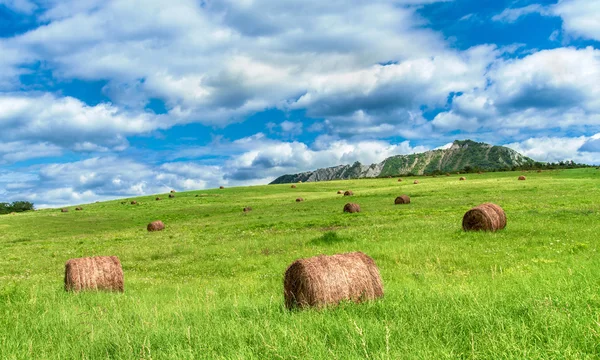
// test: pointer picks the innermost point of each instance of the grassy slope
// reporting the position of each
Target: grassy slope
(210, 285)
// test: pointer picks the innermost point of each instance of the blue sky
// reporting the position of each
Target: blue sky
(107, 99)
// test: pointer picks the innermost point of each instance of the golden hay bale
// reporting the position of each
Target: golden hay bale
(78, 208)
(399, 180)
(402, 199)
(522, 177)
(172, 191)
(486, 217)
(221, 187)
(299, 200)
(171, 196)
(327, 280)
(447, 174)
(157, 198)
(416, 182)
(293, 186)
(351, 208)
(340, 192)
(349, 193)
(134, 202)
(156, 226)
(462, 178)
(247, 209)
(94, 273)
(64, 210)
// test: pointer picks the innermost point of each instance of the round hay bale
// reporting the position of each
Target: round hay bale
(327, 280)
(348, 193)
(462, 178)
(64, 210)
(221, 187)
(447, 174)
(172, 191)
(522, 177)
(247, 209)
(157, 199)
(134, 202)
(340, 192)
(156, 226)
(171, 196)
(299, 200)
(416, 182)
(539, 171)
(402, 199)
(486, 217)
(293, 186)
(399, 180)
(351, 208)
(78, 208)
(94, 273)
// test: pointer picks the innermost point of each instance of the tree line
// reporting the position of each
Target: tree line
(16, 206)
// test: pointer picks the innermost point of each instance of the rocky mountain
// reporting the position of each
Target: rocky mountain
(461, 154)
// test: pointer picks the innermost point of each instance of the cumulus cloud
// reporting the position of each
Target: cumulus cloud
(511, 15)
(580, 17)
(555, 149)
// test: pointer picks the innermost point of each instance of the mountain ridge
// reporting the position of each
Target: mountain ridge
(461, 154)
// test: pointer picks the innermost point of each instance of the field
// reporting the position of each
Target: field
(210, 285)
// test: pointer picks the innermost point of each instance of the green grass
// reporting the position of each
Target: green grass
(210, 285)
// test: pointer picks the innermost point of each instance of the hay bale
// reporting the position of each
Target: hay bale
(171, 196)
(447, 174)
(351, 208)
(156, 226)
(293, 186)
(462, 178)
(416, 182)
(402, 199)
(157, 199)
(539, 171)
(64, 210)
(78, 208)
(134, 202)
(340, 192)
(94, 273)
(247, 209)
(399, 180)
(348, 193)
(486, 217)
(221, 187)
(172, 191)
(299, 200)
(522, 177)
(327, 280)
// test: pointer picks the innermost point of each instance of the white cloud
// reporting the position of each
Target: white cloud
(555, 149)
(580, 17)
(511, 15)
(21, 6)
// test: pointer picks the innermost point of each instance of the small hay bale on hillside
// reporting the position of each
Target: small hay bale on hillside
(293, 186)
(172, 191)
(327, 280)
(64, 210)
(399, 180)
(522, 178)
(156, 226)
(486, 217)
(157, 199)
(402, 199)
(171, 196)
(94, 273)
(348, 193)
(299, 200)
(416, 182)
(351, 208)
(539, 171)
(221, 187)
(247, 209)
(447, 174)
(340, 192)
(462, 178)
(134, 202)
(78, 208)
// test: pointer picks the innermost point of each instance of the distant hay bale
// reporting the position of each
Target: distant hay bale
(402, 199)
(539, 171)
(486, 217)
(351, 208)
(172, 191)
(247, 209)
(416, 182)
(64, 210)
(348, 193)
(293, 186)
(221, 187)
(134, 202)
(78, 208)
(522, 177)
(447, 174)
(462, 178)
(340, 192)
(156, 226)
(299, 200)
(399, 180)
(157, 198)
(94, 273)
(171, 196)
(327, 280)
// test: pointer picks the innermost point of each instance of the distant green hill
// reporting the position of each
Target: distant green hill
(461, 155)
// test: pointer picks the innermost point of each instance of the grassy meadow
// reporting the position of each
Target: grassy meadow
(211, 284)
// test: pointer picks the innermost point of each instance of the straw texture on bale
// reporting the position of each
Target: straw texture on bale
(156, 226)
(486, 217)
(64, 210)
(171, 196)
(340, 192)
(522, 177)
(416, 181)
(94, 273)
(327, 280)
(399, 180)
(447, 174)
(134, 203)
(348, 193)
(157, 198)
(402, 199)
(462, 178)
(299, 200)
(172, 191)
(351, 208)
(247, 209)
(221, 187)
(293, 186)
(78, 208)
